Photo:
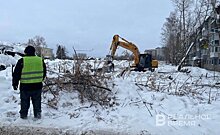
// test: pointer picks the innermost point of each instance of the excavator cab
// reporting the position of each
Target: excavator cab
(145, 63)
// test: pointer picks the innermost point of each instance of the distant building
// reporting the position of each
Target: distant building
(160, 53)
(157, 53)
(153, 52)
(45, 52)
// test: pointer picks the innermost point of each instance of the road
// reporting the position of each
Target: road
(23, 130)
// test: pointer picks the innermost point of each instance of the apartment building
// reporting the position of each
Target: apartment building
(206, 51)
(157, 53)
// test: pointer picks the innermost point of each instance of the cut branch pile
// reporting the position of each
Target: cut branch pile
(91, 86)
(197, 87)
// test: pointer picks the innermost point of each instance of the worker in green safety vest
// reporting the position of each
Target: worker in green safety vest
(30, 71)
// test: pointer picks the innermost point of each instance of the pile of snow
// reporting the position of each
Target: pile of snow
(8, 60)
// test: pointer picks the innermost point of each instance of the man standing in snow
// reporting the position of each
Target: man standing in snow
(30, 71)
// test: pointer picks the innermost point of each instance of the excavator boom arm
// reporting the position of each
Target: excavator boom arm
(125, 44)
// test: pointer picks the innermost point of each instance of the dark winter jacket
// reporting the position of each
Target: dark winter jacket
(17, 76)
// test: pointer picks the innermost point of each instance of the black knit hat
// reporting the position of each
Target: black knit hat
(30, 50)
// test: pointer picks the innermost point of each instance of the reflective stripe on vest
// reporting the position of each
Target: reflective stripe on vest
(32, 71)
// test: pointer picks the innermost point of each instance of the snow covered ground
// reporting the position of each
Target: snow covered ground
(148, 103)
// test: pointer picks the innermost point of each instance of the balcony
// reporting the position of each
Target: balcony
(204, 52)
(214, 54)
(215, 42)
(214, 36)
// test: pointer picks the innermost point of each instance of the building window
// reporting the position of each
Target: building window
(215, 61)
(216, 42)
(216, 49)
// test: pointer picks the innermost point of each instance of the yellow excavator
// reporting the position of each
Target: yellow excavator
(142, 62)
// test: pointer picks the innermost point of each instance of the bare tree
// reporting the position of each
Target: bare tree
(170, 37)
(183, 10)
(38, 42)
(189, 15)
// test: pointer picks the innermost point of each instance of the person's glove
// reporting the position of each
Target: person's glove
(15, 87)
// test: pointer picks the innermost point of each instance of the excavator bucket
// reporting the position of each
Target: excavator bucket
(109, 65)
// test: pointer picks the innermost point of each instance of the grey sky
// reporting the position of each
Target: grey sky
(84, 24)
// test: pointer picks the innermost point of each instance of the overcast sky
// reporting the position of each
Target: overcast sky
(84, 24)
